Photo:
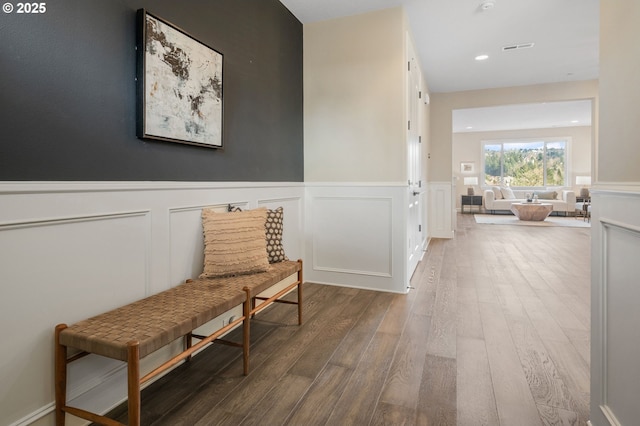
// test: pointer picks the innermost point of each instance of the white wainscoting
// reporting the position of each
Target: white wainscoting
(356, 235)
(72, 250)
(441, 211)
(615, 325)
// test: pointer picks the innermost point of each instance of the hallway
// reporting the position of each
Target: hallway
(495, 332)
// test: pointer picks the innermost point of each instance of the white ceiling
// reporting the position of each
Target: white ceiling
(522, 116)
(449, 34)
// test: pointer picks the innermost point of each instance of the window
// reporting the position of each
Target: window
(525, 163)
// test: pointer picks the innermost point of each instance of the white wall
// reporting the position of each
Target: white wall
(618, 151)
(354, 99)
(356, 156)
(615, 242)
(72, 250)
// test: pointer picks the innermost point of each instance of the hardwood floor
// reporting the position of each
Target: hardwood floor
(495, 332)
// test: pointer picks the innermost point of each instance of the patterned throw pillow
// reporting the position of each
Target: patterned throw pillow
(273, 231)
(234, 243)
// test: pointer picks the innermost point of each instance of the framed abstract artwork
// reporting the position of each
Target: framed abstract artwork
(179, 85)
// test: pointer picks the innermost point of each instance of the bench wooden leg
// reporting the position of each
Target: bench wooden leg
(133, 380)
(187, 344)
(60, 376)
(300, 293)
(253, 307)
(246, 330)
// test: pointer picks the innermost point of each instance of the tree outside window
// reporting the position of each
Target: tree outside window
(527, 164)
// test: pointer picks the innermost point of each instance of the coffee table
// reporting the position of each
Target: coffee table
(533, 212)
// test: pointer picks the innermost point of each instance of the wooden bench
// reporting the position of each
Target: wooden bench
(131, 332)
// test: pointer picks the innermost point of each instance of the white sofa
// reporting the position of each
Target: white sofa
(562, 200)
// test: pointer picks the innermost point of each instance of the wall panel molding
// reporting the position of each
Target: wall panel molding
(615, 336)
(441, 211)
(356, 236)
(72, 250)
(617, 326)
(51, 221)
(341, 219)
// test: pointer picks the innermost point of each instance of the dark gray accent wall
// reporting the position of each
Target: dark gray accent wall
(67, 93)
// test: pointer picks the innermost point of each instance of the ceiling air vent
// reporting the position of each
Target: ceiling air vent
(518, 47)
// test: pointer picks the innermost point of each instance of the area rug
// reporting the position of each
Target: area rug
(503, 219)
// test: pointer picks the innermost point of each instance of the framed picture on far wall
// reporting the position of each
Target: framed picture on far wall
(467, 167)
(179, 85)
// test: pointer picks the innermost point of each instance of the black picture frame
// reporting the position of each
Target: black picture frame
(179, 85)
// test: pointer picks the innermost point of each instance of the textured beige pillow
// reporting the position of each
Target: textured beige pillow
(546, 195)
(234, 243)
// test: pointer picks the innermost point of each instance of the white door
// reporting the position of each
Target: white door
(415, 187)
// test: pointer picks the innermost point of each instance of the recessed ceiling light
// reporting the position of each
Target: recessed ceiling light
(469, 127)
(575, 121)
(487, 4)
(482, 57)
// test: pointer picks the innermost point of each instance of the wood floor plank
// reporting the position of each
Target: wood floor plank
(426, 297)
(261, 379)
(388, 414)
(315, 407)
(487, 295)
(219, 387)
(476, 404)
(581, 341)
(279, 402)
(580, 309)
(545, 382)
(355, 343)
(555, 282)
(398, 313)
(560, 311)
(234, 392)
(443, 327)
(574, 372)
(355, 406)
(437, 396)
(405, 374)
(553, 416)
(544, 323)
(469, 323)
(510, 301)
(534, 278)
(319, 351)
(514, 400)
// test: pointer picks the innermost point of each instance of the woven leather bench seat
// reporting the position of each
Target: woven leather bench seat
(133, 331)
(158, 320)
